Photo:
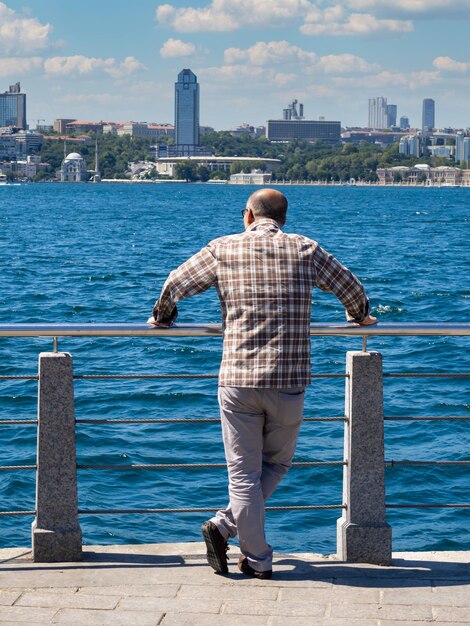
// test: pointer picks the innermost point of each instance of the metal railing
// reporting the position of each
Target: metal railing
(57, 331)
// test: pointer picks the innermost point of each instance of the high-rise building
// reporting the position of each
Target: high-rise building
(13, 107)
(378, 113)
(462, 149)
(404, 122)
(411, 146)
(428, 114)
(186, 113)
(391, 115)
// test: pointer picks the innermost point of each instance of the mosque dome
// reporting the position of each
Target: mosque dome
(73, 156)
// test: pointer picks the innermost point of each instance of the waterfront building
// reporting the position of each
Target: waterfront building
(378, 113)
(19, 145)
(79, 126)
(60, 124)
(141, 129)
(248, 129)
(187, 113)
(166, 166)
(73, 169)
(383, 138)
(253, 178)
(428, 121)
(391, 115)
(13, 107)
(404, 122)
(442, 176)
(462, 149)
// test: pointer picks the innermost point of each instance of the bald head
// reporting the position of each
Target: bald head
(268, 203)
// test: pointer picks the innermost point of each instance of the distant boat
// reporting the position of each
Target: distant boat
(4, 182)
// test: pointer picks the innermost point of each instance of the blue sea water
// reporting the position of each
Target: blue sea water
(100, 253)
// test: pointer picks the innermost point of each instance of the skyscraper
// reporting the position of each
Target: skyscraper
(13, 107)
(378, 113)
(186, 113)
(391, 115)
(404, 122)
(428, 114)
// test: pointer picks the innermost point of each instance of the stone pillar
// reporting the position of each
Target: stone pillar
(56, 533)
(363, 533)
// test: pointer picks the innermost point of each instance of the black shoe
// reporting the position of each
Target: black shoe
(216, 547)
(246, 568)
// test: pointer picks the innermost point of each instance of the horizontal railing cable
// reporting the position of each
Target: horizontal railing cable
(19, 468)
(425, 375)
(165, 466)
(8, 513)
(461, 418)
(424, 463)
(20, 377)
(17, 422)
(182, 420)
(462, 505)
(312, 507)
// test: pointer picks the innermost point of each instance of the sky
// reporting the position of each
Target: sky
(117, 60)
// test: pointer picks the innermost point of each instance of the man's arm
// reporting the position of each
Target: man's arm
(195, 276)
(333, 277)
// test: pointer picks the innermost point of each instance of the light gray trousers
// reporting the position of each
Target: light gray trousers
(259, 428)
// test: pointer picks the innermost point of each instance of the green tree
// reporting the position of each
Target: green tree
(186, 170)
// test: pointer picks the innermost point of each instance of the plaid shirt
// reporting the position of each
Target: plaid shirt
(264, 279)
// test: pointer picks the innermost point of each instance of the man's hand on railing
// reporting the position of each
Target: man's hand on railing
(151, 320)
(368, 321)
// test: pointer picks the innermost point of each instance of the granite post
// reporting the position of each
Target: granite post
(363, 533)
(56, 534)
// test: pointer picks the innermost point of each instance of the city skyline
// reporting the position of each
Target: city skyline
(111, 61)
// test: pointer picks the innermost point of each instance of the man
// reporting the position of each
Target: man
(264, 279)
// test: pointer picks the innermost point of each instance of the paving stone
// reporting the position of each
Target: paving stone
(418, 623)
(171, 605)
(67, 600)
(107, 618)
(427, 596)
(319, 621)
(389, 611)
(331, 594)
(451, 614)
(194, 619)
(14, 614)
(228, 592)
(156, 591)
(268, 607)
(8, 597)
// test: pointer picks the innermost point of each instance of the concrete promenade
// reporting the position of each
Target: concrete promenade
(171, 585)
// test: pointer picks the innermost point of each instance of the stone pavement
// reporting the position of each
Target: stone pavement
(171, 585)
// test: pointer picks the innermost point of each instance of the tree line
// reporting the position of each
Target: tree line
(300, 160)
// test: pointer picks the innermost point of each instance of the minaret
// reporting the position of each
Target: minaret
(97, 175)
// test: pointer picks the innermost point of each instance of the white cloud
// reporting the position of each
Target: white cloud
(413, 8)
(335, 21)
(228, 15)
(388, 79)
(16, 66)
(176, 48)
(82, 65)
(347, 63)
(266, 53)
(21, 34)
(446, 64)
(282, 52)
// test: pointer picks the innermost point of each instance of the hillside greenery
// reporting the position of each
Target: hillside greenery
(299, 160)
